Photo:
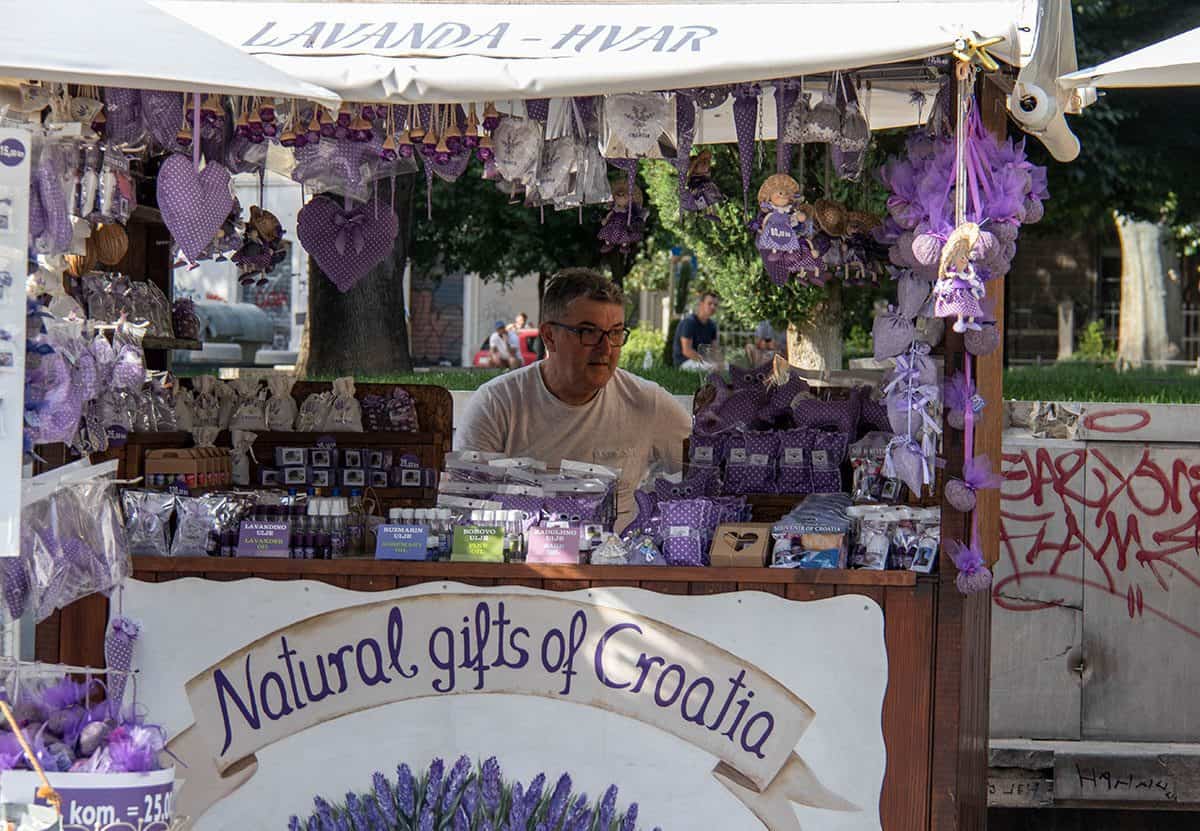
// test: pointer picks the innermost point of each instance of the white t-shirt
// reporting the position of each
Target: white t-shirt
(499, 343)
(630, 424)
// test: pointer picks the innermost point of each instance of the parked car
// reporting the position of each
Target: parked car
(531, 349)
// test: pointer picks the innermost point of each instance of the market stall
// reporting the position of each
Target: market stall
(872, 707)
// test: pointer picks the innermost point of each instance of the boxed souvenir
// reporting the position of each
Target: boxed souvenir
(742, 544)
(324, 457)
(321, 478)
(269, 476)
(353, 477)
(352, 458)
(295, 475)
(291, 456)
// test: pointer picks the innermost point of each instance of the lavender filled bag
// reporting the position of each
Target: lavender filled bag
(828, 453)
(682, 525)
(795, 461)
(750, 463)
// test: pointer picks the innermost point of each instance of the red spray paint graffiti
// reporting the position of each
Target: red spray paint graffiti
(1138, 524)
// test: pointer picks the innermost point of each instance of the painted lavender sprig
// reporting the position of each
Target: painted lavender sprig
(468, 798)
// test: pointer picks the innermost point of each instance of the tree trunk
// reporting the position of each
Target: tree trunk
(1142, 334)
(817, 343)
(365, 330)
(1066, 329)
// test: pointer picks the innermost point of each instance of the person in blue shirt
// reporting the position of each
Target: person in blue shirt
(695, 333)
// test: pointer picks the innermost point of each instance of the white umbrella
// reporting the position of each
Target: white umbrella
(129, 43)
(1174, 62)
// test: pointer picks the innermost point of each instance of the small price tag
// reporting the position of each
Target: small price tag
(760, 459)
(703, 454)
(820, 459)
(737, 455)
(793, 455)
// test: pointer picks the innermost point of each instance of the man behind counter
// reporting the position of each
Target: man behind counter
(576, 404)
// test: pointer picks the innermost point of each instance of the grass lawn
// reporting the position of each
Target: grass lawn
(1053, 382)
(1101, 382)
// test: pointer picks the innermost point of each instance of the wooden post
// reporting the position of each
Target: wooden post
(958, 795)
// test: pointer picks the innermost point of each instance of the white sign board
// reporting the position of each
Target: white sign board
(15, 151)
(729, 711)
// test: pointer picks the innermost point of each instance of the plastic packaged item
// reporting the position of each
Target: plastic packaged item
(147, 521)
(750, 462)
(73, 539)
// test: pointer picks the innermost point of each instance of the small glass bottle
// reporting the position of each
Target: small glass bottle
(338, 534)
(355, 525)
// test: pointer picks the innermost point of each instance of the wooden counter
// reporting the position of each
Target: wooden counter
(924, 745)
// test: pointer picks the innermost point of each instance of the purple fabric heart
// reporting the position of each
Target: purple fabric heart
(162, 113)
(346, 244)
(194, 205)
(123, 115)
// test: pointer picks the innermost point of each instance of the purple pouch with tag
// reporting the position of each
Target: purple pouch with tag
(578, 508)
(750, 463)
(705, 450)
(682, 525)
(828, 453)
(795, 461)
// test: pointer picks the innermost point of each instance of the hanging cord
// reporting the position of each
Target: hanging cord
(965, 78)
(196, 131)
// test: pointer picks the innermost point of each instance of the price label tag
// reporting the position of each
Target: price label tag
(263, 539)
(478, 543)
(553, 545)
(401, 542)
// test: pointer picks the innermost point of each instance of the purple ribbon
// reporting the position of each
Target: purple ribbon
(350, 230)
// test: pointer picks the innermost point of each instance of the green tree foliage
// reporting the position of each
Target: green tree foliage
(477, 228)
(1138, 151)
(729, 263)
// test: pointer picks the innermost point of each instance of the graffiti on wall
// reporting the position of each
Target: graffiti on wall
(1119, 518)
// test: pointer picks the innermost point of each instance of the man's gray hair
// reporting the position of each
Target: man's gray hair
(573, 283)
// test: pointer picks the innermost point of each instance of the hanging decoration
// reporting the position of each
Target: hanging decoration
(347, 241)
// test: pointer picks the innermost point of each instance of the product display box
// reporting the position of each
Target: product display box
(741, 544)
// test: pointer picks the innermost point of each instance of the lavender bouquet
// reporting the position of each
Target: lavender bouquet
(467, 799)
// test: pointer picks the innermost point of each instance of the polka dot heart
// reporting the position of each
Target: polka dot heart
(194, 205)
(346, 244)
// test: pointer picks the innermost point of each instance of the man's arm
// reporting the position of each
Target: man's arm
(483, 425)
(687, 337)
(672, 424)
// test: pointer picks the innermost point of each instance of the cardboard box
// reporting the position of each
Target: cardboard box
(745, 544)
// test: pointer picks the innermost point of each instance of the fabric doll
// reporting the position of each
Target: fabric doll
(623, 225)
(959, 289)
(776, 199)
(701, 193)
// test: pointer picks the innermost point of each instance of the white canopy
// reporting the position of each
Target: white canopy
(1169, 63)
(129, 43)
(435, 52)
(446, 53)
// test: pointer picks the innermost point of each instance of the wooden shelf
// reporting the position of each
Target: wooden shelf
(156, 342)
(507, 573)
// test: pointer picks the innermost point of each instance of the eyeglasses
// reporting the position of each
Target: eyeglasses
(590, 335)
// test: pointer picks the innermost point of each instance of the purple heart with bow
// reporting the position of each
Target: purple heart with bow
(194, 205)
(346, 243)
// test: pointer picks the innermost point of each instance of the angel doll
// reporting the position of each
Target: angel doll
(701, 193)
(623, 225)
(959, 289)
(776, 199)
